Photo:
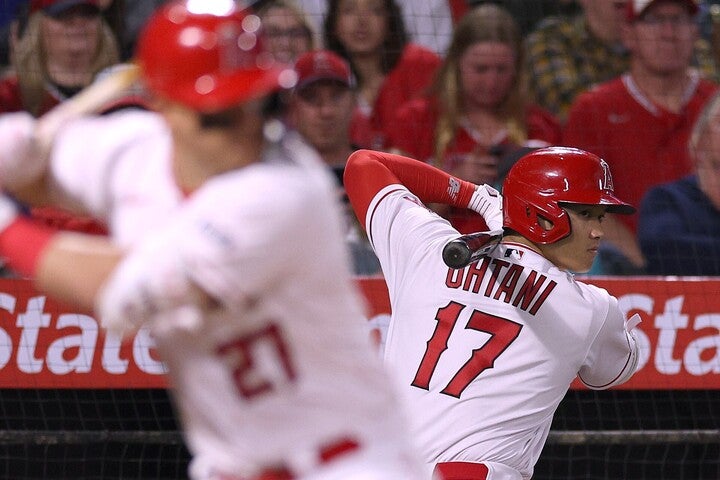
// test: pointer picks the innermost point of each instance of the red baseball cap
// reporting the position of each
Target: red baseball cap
(322, 65)
(56, 7)
(635, 8)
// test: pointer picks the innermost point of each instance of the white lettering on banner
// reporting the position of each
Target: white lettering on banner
(31, 322)
(668, 324)
(7, 303)
(84, 343)
(693, 360)
(111, 361)
(142, 345)
(73, 353)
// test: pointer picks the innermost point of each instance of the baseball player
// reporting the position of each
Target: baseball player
(485, 354)
(227, 246)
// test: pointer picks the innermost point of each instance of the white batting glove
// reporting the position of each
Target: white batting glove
(487, 202)
(20, 163)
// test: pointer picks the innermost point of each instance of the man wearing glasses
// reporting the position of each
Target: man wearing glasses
(640, 121)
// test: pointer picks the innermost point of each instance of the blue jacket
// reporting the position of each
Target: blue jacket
(679, 230)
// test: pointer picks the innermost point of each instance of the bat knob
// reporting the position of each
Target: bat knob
(456, 254)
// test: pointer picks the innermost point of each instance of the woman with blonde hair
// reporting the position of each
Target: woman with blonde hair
(60, 50)
(476, 120)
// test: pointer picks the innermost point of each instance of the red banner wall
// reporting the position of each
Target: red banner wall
(43, 345)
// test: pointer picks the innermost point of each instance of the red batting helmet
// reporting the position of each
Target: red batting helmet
(542, 180)
(207, 55)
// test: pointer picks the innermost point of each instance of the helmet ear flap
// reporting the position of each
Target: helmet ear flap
(554, 215)
(526, 217)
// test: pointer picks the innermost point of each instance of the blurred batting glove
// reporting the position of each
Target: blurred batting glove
(487, 202)
(20, 162)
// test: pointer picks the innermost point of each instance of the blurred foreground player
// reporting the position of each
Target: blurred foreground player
(234, 260)
(486, 353)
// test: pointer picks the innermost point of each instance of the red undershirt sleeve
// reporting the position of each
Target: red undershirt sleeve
(22, 244)
(367, 172)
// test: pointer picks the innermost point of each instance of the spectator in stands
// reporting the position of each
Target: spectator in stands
(10, 10)
(476, 119)
(61, 219)
(640, 122)
(287, 32)
(321, 109)
(127, 17)
(64, 45)
(60, 50)
(528, 13)
(679, 222)
(568, 55)
(322, 105)
(370, 34)
(428, 22)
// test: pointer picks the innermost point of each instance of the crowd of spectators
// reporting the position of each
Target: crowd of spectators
(466, 85)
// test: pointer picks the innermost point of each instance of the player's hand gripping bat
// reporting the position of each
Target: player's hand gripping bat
(464, 250)
(89, 100)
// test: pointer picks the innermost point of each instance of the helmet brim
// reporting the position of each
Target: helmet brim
(610, 202)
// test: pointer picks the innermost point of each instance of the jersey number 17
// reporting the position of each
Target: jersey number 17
(502, 333)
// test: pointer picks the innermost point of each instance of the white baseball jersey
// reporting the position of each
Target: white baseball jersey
(485, 354)
(283, 371)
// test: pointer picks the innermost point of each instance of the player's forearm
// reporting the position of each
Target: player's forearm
(368, 172)
(73, 268)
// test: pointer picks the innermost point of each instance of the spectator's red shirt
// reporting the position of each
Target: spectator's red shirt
(644, 144)
(410, 78)
(11, 100)
(414, 131)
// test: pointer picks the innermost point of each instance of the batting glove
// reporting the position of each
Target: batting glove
(487, 202)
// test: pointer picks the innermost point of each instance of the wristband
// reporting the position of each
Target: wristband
(22, 242)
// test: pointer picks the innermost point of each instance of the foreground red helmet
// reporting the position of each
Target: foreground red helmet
(207, 56)
(542, 180)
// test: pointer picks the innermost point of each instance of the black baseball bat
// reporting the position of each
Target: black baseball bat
(464, 250)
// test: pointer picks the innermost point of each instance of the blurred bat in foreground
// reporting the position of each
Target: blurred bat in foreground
(90, 100)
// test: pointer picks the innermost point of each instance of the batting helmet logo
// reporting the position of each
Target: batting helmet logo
(607, 183)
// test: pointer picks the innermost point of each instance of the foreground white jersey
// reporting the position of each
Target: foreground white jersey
(284, 368)
(485, 354)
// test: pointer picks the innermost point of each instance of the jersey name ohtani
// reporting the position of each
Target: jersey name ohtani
(503, 281)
